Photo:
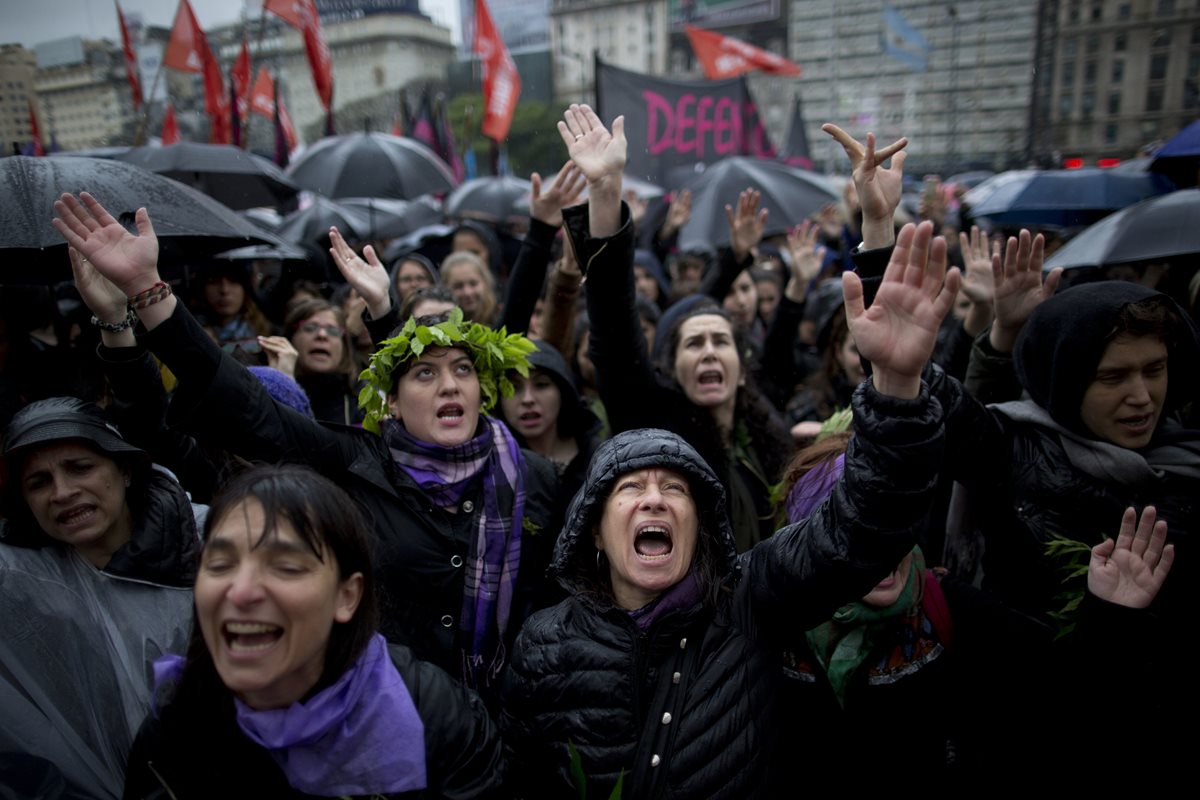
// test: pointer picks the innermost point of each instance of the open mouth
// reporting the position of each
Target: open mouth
(530, 417)
(319, 351)
(451, 412)
(710, 377)
(652, 542)
(250, 637)
(77, 515)
(1136, 424)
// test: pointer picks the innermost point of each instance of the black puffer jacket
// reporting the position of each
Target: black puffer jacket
(420, 551)
(202, 753)
(685, 707)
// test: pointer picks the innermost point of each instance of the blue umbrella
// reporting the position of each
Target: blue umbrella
(1060, 198)
(1157, 229)
(1179, 158)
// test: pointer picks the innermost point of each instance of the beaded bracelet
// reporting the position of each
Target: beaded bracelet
(157, 292)
(116, 327)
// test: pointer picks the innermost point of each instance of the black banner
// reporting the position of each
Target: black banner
(673, 125)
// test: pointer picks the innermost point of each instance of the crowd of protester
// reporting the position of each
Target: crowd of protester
(877, 503)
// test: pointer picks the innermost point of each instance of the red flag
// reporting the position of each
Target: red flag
(38, 150)
(726, 57)
(262, 102)
(170, 129)
(302, 15)
(188, 51)
(240, 75)
(501, 83)
(131, 72)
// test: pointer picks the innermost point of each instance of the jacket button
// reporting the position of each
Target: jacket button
(456, 561)
(468, 506)
(655, 760)
(675, 678)
(447, 620)
(683, 643)
(666, 718)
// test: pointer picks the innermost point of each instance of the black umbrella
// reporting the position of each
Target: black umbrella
(790, 194)
(189, 224)
(371, 165)
(309, 227)
(492, 198)
(235, 177)
(1157, 229)
(390, 219)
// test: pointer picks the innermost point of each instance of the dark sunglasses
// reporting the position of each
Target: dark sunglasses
(332, 331)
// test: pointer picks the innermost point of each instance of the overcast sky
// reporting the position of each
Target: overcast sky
(31, 22)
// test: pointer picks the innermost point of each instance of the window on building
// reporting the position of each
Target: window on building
(1070, 48)
(1193, 69)
(1087, 104)
(1089, 73)
(1068, 74)
(1165, 8)
(1158, 67)
(1154, 99)
(1097, 11)
(1114, 103)
(1073, 12)
(1125, 11)
(1064, 106)
(1119, 42)
(1161, 38)
(1196, 34)
(1118, 71)
(1110, 133)
(1093, 44)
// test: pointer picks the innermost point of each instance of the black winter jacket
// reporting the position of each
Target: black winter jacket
(685, 708)
(204, 754)
(420, 550)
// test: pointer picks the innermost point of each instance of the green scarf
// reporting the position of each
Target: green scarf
(842, 644)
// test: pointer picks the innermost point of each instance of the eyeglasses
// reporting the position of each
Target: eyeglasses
(332, 331)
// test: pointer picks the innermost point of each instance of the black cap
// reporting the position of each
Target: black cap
(60, 418)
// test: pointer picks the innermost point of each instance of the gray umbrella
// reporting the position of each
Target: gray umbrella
(494, 198)
(229, 174)
(371, 165)
(189, 224)
(791, 195)
(1157, 229)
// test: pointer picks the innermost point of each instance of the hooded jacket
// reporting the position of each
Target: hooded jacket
(684, 707)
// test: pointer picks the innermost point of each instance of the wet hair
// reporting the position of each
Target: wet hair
(329, 523)
(422, 294)
(489, 304)
(306, 310)
(1149, 317)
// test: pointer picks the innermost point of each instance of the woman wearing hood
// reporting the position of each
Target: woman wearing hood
(97, 554)
(658, 671)
(456, 503)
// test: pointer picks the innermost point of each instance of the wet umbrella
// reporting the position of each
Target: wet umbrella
(1071, 198)
(1157, 229)
(309, 227)
(389, 218)
(789, 193)
(492, 198)
(235, 177)
(1179, 158)
(371, 165)
(189, 224)
(432, 241)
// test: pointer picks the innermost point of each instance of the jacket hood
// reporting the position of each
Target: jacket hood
(416, 258)
(649, 262)
(574, 561)
(1064, 339)
(575, 418)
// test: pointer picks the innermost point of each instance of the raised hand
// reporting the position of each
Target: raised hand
(878, 188)
(807, 259)
(597, 152)
(898, 332)
(1019, 287)
(1130, 571)
(368, 277)
(105, 300)
(678, 213)
(129, 261)
(564, 191)
(637, 206)
(281, 355)
(746, 225)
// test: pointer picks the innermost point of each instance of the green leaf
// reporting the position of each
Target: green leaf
(425, 335)
(616, 792)
(418, 346)
(576, 768)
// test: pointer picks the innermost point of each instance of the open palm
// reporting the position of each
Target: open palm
(1130, 571)
(597, 152)
(130, 261)
(898, 332)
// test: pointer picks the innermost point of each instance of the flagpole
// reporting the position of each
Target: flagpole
(141, 129)
(262, 30)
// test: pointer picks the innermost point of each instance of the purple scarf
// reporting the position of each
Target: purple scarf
(360, 736)
(444, 473)
(684, 594)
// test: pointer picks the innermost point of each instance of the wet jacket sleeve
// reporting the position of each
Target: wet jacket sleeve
(991, 376)
(617, 345)
(779, 373)
(528, 276)
(221, 403)
(802, 574)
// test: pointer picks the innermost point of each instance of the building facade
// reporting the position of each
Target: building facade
(83, 93)
(17, 68)
(1119, 77)
(955, 78)
(631, 34)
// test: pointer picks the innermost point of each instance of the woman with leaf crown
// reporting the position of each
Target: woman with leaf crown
(463, 517)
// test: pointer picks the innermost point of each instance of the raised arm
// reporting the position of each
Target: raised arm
(746, 225)
(878, 187)
(1019, 287)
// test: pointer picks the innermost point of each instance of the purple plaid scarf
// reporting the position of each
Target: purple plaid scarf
(444, 473)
